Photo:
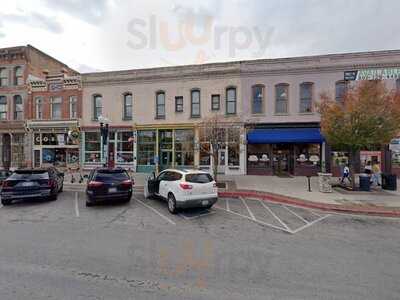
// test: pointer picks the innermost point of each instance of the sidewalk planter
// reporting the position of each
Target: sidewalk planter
(365, 184)
(324, 182)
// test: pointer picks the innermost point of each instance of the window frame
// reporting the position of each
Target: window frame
(302, 99)
(397, 84)
(125, 116)
(192, 91)
(340, 98)
(95, 107)
(5, 104)
(212, 102)
(52, 102)
(253, 88)
(158, 115)
(229, 88)
(178, 104)
(73, 100)
(15, 107)
(4, 76)
(279, 99)
(37, 117)
(18, 77)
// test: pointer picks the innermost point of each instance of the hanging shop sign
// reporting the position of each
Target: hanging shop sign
(372, 74)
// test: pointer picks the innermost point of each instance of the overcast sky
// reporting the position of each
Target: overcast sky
(106, 35)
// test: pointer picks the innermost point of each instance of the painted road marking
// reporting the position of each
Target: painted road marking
(76, 205)
(227, 205)
(255, 220)
(274, 215)
(248, 209)
(155, 211)
(309, 224)
(297, 215)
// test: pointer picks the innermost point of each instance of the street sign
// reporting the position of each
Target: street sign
(350, 75)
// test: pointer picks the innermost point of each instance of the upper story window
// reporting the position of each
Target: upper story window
(178, 104)
(73, 107)
(306, 97)
(97, 106)
(39, 108)
(215, 102)
(398, 85)
(3, 77)
(340, 91)
(231, 101)
(195, 103)
(160, 105)
(128, 103)
(18, 108)
(282, 98)
(18, 76)
(3, 108)
(56, 103)
(258, 99)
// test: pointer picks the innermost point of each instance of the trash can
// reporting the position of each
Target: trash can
(389, 182)
(365, 184)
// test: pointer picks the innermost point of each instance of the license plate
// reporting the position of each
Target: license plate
(204, 202)
(112, 190)
(25, 184)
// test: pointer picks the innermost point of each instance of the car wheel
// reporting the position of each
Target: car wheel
(89, 204)
(5, 202)
(53, 197)
(208, 206)
(172, 204)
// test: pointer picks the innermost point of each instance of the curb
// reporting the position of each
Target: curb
(373, 211)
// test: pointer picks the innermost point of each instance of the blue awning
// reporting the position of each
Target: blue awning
(285, 135)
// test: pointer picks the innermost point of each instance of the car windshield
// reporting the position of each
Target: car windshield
(115, 175)
(29, 175)
(199, 178)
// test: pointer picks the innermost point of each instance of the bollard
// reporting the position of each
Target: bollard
(309, 183)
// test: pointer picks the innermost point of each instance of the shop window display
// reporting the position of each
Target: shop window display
(146, 144)
(184, 147)
(92, 147)
(124, 147)
(233, 147)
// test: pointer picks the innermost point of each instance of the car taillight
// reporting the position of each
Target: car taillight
(6, 184)
(95, 184)
(185, 186)
(127, 183)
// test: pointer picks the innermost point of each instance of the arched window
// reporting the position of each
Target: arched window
(195, 103)
(97, 106)
(18, 76)
(128, 103)
(340, 91)
(306, 97)
(160, 105)
(18, 108)
(3, 77)
(231, 101)
(282, 98)
(257, 105)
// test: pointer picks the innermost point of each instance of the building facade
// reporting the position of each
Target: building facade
(17, 65)
(55, 106)
(161, 111)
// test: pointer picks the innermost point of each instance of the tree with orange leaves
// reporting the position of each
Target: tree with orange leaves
(368, 116)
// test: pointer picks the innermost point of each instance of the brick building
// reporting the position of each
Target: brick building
(17, 65)
(55, 107)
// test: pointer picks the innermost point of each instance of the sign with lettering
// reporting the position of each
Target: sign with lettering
(56, 86)
(373, 74)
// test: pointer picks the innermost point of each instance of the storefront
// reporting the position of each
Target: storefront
(285, 151)
(119, 148)
(52, 145)
(165, 148)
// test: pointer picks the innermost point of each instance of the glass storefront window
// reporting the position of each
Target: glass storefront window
(259, 156)
(233, 147)
(205, 158)
(184, 147)
(146, 147)
(124, 147)
(92, 147)
(308, 154)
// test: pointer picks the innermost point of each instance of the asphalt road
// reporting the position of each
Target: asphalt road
(63, 250)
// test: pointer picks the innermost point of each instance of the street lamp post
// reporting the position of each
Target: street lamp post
(104, 136)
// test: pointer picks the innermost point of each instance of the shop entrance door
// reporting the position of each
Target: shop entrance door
(283, 160)
(221, 161)
(36, 158)
(165, 159)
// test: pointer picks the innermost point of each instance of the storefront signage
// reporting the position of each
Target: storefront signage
(56, 86)
(372, 74)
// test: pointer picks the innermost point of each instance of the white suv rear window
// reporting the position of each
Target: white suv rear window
(198, 178)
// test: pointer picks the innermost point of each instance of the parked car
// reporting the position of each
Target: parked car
(32, 183)
(4, 174)
(183, 189)
(108, 184)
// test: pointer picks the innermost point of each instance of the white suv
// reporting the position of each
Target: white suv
(183, 188)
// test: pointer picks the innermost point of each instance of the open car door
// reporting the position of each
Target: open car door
(150, 186)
